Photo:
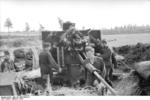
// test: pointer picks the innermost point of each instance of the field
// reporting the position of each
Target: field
(13, 40)
(126, 39)
(34, 39)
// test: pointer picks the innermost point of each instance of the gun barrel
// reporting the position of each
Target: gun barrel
(91, 68)
(105, 83)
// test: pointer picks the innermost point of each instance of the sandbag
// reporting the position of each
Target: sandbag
(143, 68)
(19, 53)
(19, 64)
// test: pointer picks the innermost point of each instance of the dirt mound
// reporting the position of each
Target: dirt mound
(132, 84)
(129, 85)
(134, 53)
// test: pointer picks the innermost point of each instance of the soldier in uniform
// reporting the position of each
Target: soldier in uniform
(106, 54)
(97, 62)
(47, 62)
(7, 65)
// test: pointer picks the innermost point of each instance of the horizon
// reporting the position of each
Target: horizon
(94, 14)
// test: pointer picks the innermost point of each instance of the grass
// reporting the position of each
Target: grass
(20, 42)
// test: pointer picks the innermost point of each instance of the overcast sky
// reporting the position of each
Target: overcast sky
(95, 14)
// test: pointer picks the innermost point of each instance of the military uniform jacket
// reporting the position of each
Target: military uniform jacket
(100, 66)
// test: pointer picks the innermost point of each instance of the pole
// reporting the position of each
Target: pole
(62, 52)
(49, 87)
(14, 89)
(58, 55)
(90, 67)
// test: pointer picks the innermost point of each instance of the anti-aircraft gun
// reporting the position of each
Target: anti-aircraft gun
(69, 39)
(69, 46)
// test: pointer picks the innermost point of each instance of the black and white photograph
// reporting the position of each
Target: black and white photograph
(74, 48)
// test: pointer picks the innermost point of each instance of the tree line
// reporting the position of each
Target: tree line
(129, 29)
(8, 24)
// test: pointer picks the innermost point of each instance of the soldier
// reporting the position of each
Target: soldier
(114, 60)
(106, 54)
(7, 65)
(97, 62)
(46, 63)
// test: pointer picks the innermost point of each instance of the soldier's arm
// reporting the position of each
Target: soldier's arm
(114, 61)
(104, 70)
(52, 61)
(102, 67)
